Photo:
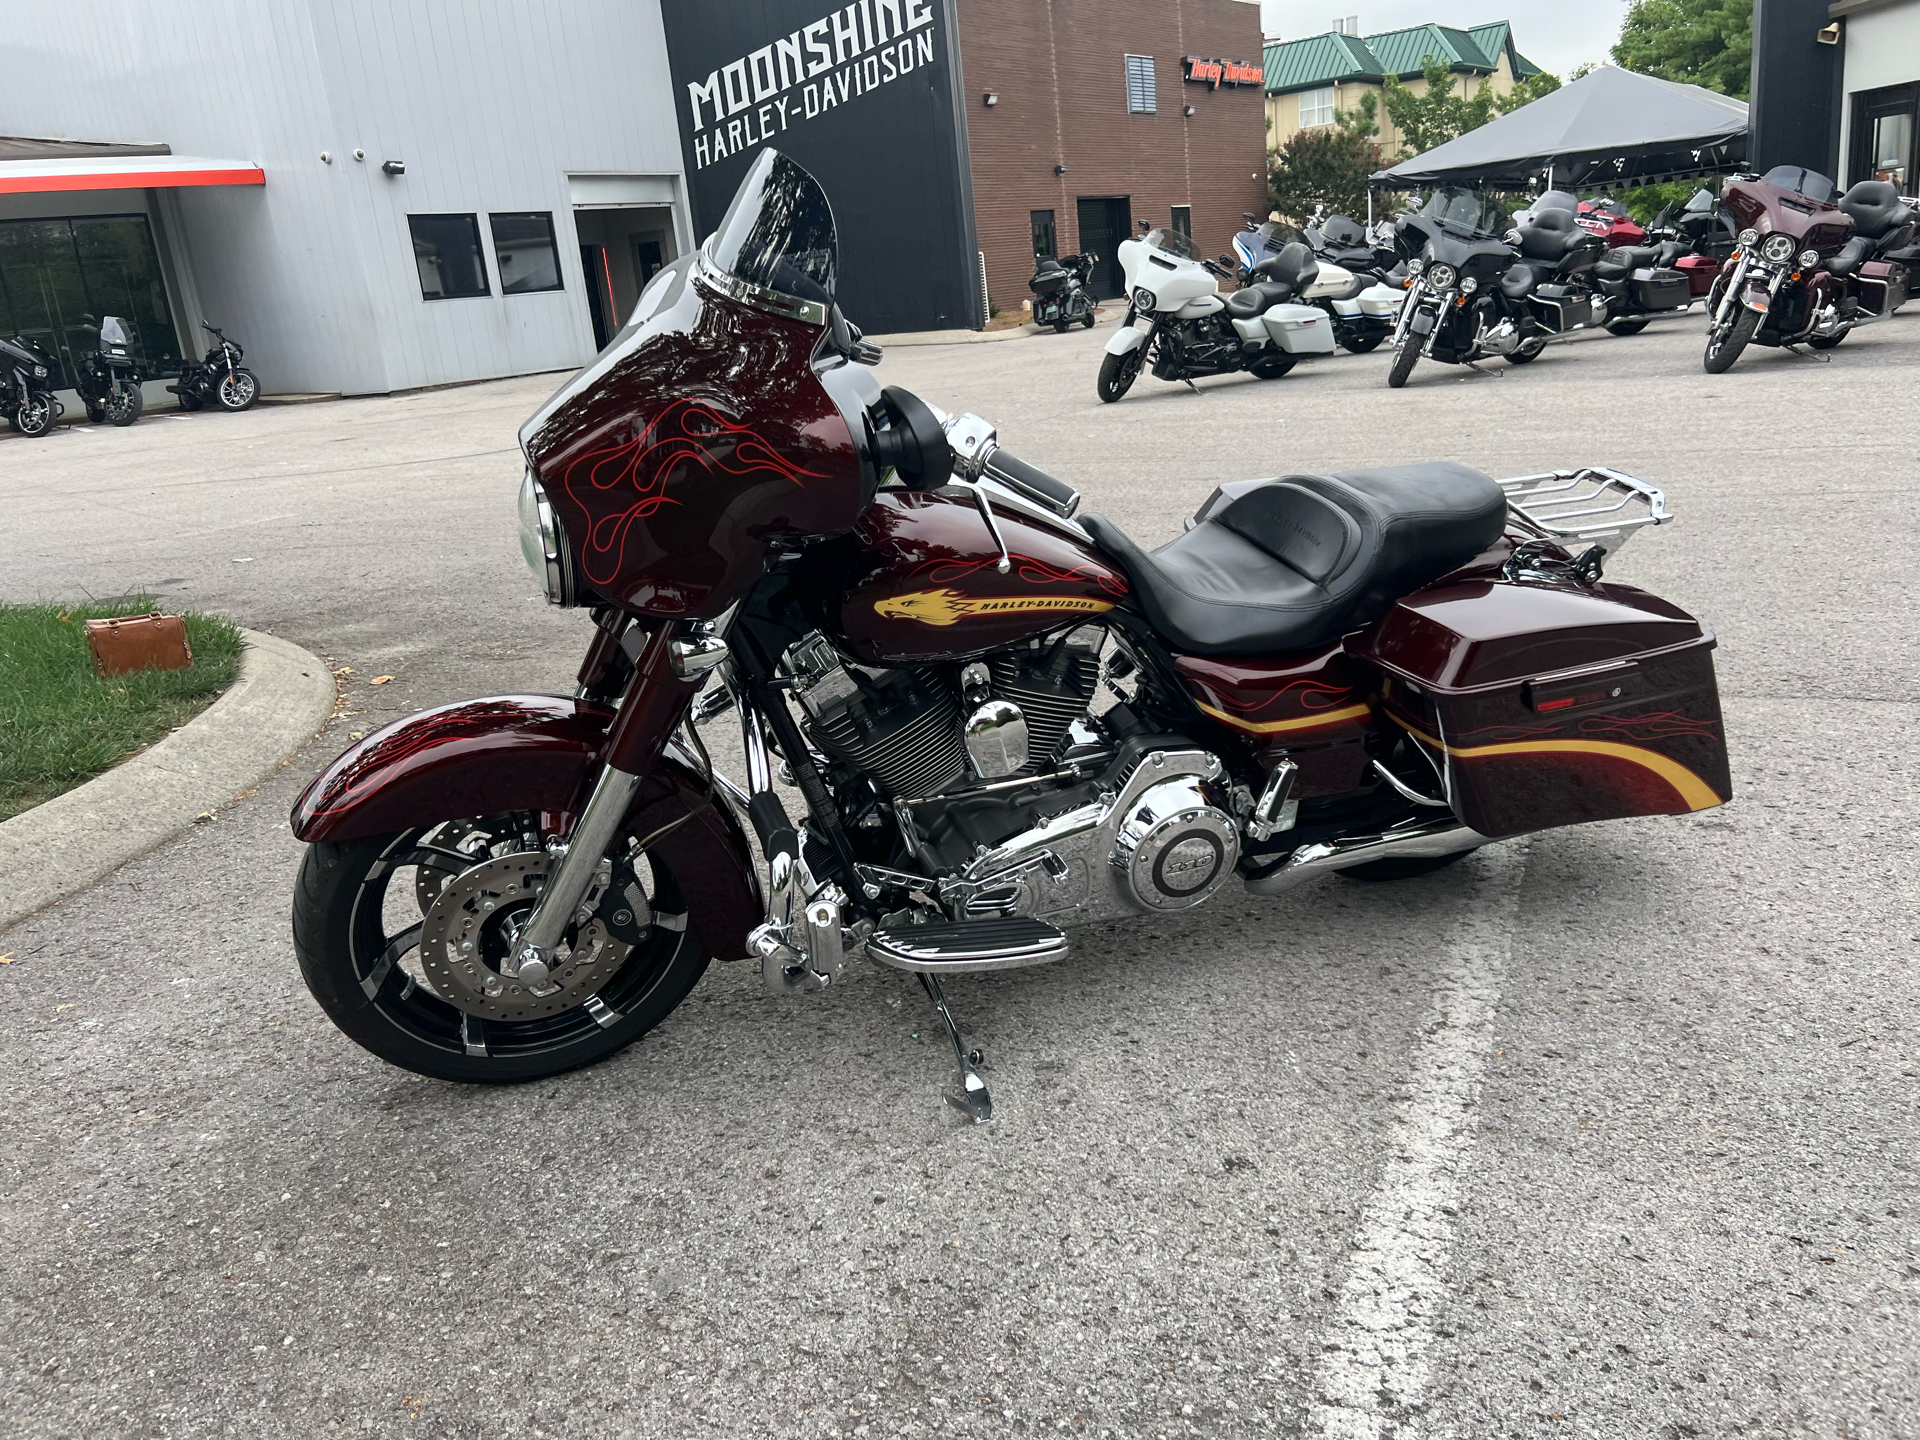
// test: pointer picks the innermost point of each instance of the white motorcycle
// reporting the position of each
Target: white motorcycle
(1178, 320)
(1364, 310)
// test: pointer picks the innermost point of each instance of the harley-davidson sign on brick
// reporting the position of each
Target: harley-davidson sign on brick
(1215, 73)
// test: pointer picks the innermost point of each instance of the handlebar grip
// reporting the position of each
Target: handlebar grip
(1034, 484)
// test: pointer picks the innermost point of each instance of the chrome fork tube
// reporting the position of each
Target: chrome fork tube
(580, 858)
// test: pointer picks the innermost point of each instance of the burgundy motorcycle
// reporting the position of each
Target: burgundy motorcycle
(1003, 723)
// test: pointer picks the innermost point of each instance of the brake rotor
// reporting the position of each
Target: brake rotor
(470, 930)
(430, 880)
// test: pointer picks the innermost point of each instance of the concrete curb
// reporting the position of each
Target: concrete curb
(282, 698)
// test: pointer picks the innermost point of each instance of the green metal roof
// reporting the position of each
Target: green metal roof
(1317, 60)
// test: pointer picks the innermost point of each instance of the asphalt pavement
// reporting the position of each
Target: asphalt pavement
(1613, 1132)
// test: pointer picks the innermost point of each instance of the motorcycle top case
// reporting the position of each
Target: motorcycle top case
(1299, 329)
(1660, 289)
(1553, 703)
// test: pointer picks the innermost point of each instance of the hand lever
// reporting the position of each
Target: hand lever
(1005, 562)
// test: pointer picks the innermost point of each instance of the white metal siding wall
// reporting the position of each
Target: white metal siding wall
(490, 103)
(1883, 48)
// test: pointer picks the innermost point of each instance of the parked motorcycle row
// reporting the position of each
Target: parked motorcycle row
(1006, 720)
(1778, 260)
(109, 379)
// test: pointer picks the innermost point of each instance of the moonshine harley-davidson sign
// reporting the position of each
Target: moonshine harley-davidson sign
(1215, 73)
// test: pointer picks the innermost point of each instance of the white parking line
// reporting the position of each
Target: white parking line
(1373, 1368)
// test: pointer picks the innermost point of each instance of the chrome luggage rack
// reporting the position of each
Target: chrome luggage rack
(1593, 503)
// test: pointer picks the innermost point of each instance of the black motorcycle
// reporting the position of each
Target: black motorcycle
(109, 379)
(1061, 293)
(218, 379)
(26, 387)
(1474, 296)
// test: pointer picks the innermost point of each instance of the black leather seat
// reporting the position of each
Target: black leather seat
(1875, 207)
(1850, 256)
(1520, 280)
(1549, 234)
(1256, 300)
(1623, 258)
(1294, 265)
(1285, 564)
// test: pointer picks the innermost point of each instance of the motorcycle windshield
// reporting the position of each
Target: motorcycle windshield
(1172, 242)
(1810, 183)
(1466, 210)
(1273, 237)
(113, 331)
(777, 239)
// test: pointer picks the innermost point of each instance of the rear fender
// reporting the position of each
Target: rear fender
(1125, 340)
(533, 752)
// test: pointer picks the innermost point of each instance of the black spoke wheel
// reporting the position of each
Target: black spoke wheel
(1117, 374)
(124, 404)
(1405, 356)
(396, 980)
(1724, 345)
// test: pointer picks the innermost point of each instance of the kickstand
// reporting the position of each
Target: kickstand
(1800, 354)
(1491, 374)
(971, 1099)
(1191, 386)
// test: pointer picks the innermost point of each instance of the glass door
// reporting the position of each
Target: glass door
(1885, 132)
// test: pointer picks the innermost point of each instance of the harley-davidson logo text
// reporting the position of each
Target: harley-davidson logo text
(944, 607)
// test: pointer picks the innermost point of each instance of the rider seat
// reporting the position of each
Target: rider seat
(1285, 564)
(1520, 280)
(1255, 300)
(1548, 235)
(1276, 279)
(1875, 207)
(1850, 256)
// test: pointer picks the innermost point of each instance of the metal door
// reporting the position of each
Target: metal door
(1105, 220)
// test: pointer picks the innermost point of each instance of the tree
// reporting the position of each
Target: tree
(1327, 165)
(1437, 116)
(1699, 42)
(1364, 119)
(1526, 91)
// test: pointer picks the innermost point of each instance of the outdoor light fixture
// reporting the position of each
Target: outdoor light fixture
(1060, 169)
(1189, 110)
(992, 99)
(393, 167)
(1829, 34)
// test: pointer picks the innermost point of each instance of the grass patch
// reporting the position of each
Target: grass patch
(61, 724)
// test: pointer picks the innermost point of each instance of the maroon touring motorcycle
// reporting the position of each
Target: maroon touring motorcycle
(1002, 722)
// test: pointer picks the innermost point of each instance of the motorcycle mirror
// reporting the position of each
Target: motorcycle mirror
(914, 444)
(1227, 260)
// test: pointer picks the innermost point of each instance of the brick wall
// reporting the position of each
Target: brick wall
(1059, 70)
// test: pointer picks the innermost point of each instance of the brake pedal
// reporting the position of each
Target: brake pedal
(956, 947)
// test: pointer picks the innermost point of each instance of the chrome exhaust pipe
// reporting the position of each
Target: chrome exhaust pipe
(1439, 837)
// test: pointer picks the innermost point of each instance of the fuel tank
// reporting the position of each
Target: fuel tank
(918, 582)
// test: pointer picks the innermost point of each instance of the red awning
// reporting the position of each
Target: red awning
(125, 172)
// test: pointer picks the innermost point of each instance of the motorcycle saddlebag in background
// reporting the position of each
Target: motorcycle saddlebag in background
(1659, 289)
(1299, 329)
(1554, 704)
(1883, 286)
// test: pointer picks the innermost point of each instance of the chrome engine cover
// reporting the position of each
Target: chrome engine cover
(1162, 840)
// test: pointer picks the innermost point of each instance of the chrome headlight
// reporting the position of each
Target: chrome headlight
(1414, 267)
(543, 543)
(1809, 259)
(1441, 276)
(1778, 249)
(1144, 299)
(1469, 285)
(39, 372)
(1748, 237)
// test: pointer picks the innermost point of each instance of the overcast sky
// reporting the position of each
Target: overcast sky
(1556, 35)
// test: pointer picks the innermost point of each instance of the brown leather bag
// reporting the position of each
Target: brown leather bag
(133, 643)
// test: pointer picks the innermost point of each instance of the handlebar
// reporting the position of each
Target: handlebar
(1030, 482)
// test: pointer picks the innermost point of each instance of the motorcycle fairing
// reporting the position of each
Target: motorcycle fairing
(1126, 339)
(506, 753)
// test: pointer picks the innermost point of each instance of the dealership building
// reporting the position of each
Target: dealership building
(373, 197)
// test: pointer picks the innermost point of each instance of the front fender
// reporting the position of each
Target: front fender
(533, 752)
(1125, 339)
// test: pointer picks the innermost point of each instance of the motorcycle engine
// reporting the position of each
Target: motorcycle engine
(1110, 822)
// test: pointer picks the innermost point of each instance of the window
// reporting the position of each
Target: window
(523, 249)
(1183, 220)
(1316, 107)
(1142, 97)
(1892, 141)
(60, 278)
(446, 248)
(1043, 242)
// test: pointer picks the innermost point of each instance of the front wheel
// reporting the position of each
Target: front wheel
(34, 417)
(1117, 374)
(237, 390)
(1626, 327)
(1405, 356)
(1827, 342)
(124, 405)
(1724, 346)
(1363, 344)
(401, 938)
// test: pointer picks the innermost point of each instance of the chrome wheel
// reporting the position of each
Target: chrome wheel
(35, 417)
(237, 390)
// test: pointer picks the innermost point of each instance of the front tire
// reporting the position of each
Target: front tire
(35, 417)
(237, 391)
(1405, 356)
(125, 406)
(1724, 349)
(357, 935)
(1117, 374)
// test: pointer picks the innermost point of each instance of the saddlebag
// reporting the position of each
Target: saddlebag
(1883, 286)
(1569, 309)
(1299, 329)
(1659, 289)
(1550, 702)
